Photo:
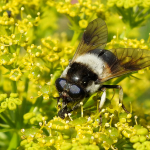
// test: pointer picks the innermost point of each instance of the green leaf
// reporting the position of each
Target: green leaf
(14, 142)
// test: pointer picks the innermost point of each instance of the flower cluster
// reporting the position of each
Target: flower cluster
(87, 133)
(9, 103)
(33, 53)
(127, 43)
(84, 9)
(128, 3)
(136, 10)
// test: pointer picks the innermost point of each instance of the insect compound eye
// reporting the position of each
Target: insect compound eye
(76, 92)
(60, 84)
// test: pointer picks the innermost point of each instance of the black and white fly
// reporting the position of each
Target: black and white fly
(92, 65)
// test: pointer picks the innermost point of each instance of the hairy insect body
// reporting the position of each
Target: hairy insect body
(88, 69)
(92, 65)
(83, 76)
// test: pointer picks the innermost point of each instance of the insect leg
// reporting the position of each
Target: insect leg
(120, 93)
(58, 100)
(76, 106)
(103, 98)
(63, 112)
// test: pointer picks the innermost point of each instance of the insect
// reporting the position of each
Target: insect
(92, 65)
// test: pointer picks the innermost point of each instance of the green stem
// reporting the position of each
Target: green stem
(4, 125)
(1, 81)
(76, 31)
(38, 102)
(122, 13)
(130, 15)
(14, 86)
(6, 129)
(75, 37)
(17, 113)
(26, 85)
(17, 118)
(119, 79)
(90, 18)
(14, 142)
(18, 51)
(23, 108)
(72, 22)
(7, 120)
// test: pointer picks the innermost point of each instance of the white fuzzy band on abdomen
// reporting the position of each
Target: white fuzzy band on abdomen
(93, 62)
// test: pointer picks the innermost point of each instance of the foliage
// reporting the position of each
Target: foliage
(37, 39)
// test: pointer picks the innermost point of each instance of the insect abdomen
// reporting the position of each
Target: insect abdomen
(107, 56)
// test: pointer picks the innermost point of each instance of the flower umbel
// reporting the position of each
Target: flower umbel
(37, 41)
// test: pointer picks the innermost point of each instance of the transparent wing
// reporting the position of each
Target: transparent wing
(94, 36)
(127, 60)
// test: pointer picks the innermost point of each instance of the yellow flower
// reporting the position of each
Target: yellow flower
(15, 74)
(83, 23)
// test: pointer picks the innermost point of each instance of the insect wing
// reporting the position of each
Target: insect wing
(95, 36)
(127, 60)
